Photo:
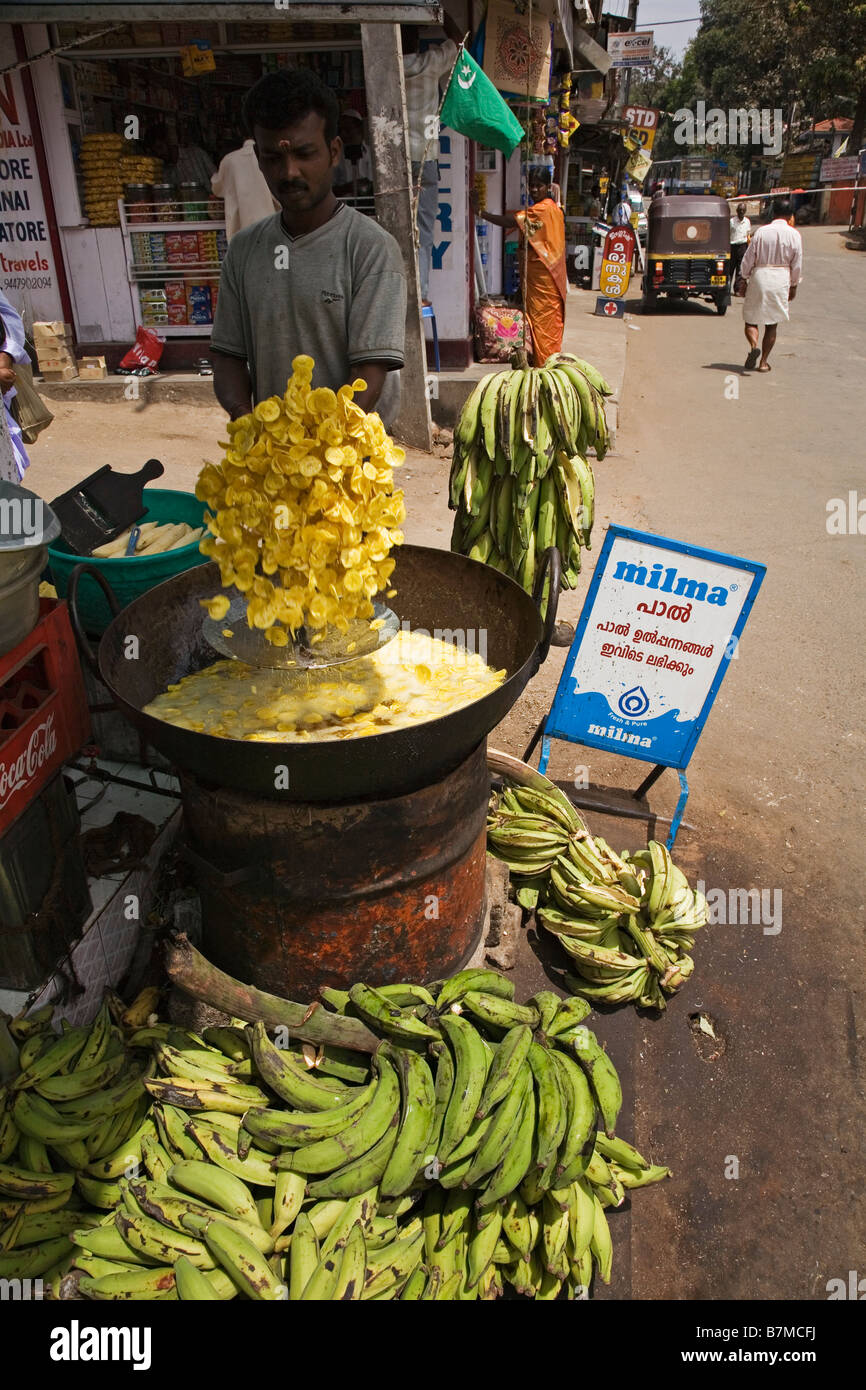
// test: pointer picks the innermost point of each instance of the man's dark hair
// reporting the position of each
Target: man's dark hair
(281, 99)
(783, 207)
(539, 174)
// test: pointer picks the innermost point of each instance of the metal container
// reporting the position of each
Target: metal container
(27, 525)
(194, 197)
(436, 591)
(138, 202)
(298, 895)
(164, 200)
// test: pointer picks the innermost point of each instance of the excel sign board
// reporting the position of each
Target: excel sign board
(660, 623)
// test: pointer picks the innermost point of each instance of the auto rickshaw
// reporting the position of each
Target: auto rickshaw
(688, 251)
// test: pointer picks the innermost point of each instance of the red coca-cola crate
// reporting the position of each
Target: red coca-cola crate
(44, 718)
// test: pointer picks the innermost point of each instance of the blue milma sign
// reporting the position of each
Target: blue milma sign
(660, 623)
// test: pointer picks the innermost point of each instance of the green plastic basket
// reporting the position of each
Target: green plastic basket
(130, 577)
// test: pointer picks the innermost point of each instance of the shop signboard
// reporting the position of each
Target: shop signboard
(643, 123)
(631, 50)
(449, 275)
(28, 275)
(839, 170)
(660, 623)
(616, 264)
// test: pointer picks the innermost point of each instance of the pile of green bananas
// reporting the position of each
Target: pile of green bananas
(520, 480)
(628, 921)
(461, 1154)
(74, 1109)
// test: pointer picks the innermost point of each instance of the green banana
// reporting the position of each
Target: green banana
(572, 1011)
(578, 1142)
(417, 1114)
(358, 1137)
(23, 1185)
(499, 1013)
(133, 1284)
(359, 1175)
(388, 1018)
(60, 1053)
(216, 1187)
(509, 1059)
(242, 1262)
(552, 1111)
(601, 1073)
(160, 1244)
(482, 1244)
(470, 1060)
(517, 1160)
(292, 1128)
(350, 1280)
(600, 1242)
(499, 1129)
(291, 1082)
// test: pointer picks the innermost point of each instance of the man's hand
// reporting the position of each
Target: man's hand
(792, 292)
(374, 373)
(7, 371)
(231, 384)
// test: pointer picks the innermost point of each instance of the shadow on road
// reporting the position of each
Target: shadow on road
(726, 367)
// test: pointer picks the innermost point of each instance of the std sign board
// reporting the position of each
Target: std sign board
(660, 623)
(643, 123)
(616, 263)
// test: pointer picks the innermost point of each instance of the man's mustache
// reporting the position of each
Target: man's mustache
(292, 188)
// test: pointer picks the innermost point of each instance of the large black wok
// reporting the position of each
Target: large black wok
(435, 589)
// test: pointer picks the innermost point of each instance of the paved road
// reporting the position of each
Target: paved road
(748, 464)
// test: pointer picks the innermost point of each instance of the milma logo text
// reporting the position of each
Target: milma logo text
(738, 126)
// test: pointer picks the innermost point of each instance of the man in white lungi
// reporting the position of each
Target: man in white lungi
(772, 268)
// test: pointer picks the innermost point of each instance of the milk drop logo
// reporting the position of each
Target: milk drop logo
(634, 703)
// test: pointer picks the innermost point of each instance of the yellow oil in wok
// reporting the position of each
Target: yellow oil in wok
(414, 678)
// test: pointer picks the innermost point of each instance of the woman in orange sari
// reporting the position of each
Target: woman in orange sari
(546, 287)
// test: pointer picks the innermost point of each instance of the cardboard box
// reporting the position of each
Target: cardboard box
(177, 313)
(175, 292)
(61, 374)
(55, 361)
(55, 329)
(92, 368)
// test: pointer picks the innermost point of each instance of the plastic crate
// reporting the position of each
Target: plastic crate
(44, 897)
(130, 577)
(43, 710)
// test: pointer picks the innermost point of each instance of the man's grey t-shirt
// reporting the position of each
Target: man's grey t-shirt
(337, 294)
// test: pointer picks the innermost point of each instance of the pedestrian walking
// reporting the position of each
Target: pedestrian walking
(770, 273)
(623, 211)
(741, 231)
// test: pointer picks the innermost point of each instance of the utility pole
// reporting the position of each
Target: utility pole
(632, 17)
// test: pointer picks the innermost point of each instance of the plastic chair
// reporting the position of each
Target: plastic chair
(428, 313)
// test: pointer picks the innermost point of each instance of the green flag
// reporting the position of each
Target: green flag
(473, 107)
